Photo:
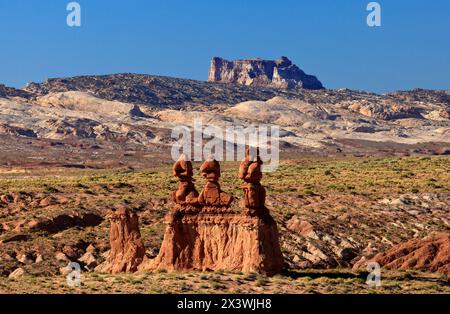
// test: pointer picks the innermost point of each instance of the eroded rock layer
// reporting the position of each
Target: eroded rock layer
(127, 249)
(209, 235)
(280, 73)
(431, 254)
(219, 241)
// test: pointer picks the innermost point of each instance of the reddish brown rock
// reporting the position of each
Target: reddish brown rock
(127, 249)
(429, 254)
(19, 272)
(217, 238)
(50, 200)
(250, 172)
(88, 259)
(219, 241)
(186, 193)
(301, 227)
(212, 195)
(7, 198)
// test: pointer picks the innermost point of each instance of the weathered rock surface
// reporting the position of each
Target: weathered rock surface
(217, 238)
(186, 193)
(219, 241)
(140, 110)
(127, 249)
(429, 254)
(6, 91)
(86, 102)
(254, 193)
(16, 131)
(88, 259)
(150, 90)
(263, 73)
(19, 272)
(212, 195)
(302, 227)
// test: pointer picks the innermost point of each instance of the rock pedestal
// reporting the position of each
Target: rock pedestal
(212, 195)
(127, 249)
(219, 241)
(214, 237)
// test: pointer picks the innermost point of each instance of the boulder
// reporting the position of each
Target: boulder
(301, 227)
(39, 259)
(60, 256)
(19, 272)
(88, 259)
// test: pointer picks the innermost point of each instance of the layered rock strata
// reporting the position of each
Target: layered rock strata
(280, 73)
(429, 254)
(127, 249)
(211, 236)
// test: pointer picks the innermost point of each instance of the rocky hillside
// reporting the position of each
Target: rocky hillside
(168, 92)
(431, 253)
(6, 91)
(142, 110)
(154, 91)
(280, 73)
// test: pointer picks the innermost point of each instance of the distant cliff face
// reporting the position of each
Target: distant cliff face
(262, 73)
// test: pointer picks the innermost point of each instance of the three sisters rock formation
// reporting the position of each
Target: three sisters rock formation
(202, 231)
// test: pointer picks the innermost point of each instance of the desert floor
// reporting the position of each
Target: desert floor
(366, 204)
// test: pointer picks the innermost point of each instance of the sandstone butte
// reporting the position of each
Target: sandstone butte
(281, 73)
(203, 233)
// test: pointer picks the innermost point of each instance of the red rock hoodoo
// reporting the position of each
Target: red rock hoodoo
(209, 235)
(186, 194)
(127, 249)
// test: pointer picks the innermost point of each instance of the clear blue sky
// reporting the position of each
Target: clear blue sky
(328, 38)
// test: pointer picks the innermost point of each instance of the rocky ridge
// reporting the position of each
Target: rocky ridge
(142, 109)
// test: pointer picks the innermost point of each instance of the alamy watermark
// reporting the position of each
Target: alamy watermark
(73, 278)
(374, 277)
(201, 142)
(374, 17)
(74, 17)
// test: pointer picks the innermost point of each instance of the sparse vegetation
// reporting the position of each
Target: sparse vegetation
(362, 199)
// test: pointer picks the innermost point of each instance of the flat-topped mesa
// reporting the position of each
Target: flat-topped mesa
(281, 73)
